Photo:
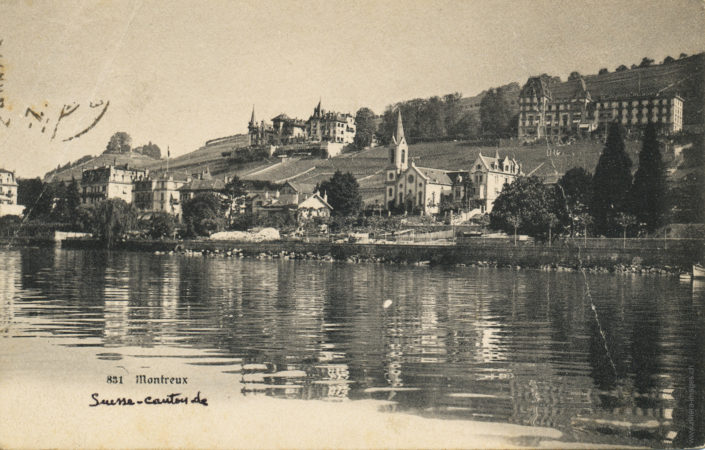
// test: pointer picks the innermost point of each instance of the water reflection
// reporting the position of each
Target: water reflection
(624, 364)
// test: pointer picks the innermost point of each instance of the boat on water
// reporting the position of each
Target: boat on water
(698, 271)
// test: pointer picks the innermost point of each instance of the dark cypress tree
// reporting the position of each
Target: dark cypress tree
(611, 183)
(648, 195)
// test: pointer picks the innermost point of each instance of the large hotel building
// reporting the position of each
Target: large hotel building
(554, 109)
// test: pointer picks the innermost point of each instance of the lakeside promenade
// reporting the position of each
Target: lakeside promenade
(671, 255)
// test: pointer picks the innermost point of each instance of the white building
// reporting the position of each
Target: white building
(489, 175)
(8, 194)
(106, 182)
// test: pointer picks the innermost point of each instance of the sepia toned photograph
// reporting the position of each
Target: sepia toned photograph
(352, 224)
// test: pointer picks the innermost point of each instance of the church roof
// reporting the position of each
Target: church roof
(302, 188)
(435, 176)
(252, 118)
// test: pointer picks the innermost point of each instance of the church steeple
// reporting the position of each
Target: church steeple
(399, 152)
(253, 121)
(399, 132)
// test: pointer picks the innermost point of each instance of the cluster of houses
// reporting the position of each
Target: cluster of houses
(166, 192)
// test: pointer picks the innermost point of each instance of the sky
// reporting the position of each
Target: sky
(178, 73)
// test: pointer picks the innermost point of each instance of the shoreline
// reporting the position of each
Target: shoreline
(667, 259)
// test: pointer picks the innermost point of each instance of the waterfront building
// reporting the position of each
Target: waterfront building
(102, 183)
(489, 175)
(409, 187)
(201, 183)
(8, 194)
(159, 193)
(580, 106)
(314, 207)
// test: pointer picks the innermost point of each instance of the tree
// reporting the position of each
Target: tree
(648, 195)
(161, 224)
(151, 150)
(575, 189)
(603, 71)
(364, 127)
(527, 200)
(343, 193)
(235, 188)
(621, 68)
(68, 200)
(514, 221)
(682, 55)
(574, 76)
(113, 218)
(495, 114)
(84, 218)
(552, 221)
(37, 197)
(688, 199)
(668, 60)
(202, 214)
(611, 182)
(467, 127)
(119, 142)
(625, 221)
(646, 62)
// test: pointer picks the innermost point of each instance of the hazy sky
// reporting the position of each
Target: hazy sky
(179, 73)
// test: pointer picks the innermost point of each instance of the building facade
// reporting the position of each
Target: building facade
(331, 126)
(322, 126)
(159, 193)
(583, 105)
(489, 175)
(8, 194)
(411, 188)
(106, 182)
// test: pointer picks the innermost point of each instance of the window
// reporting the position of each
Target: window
(391, 192)
(411, 178)
(403, 155)
(391, 176)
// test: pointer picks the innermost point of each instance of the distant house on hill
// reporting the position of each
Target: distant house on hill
(322, 126)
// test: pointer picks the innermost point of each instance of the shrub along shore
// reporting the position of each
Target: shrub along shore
(667, 259)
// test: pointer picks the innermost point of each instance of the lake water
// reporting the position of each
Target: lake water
(601, 358)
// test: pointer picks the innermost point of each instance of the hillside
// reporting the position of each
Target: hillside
(368, 166)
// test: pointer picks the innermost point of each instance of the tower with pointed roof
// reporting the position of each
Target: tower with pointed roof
(253, 129)
(399, 150)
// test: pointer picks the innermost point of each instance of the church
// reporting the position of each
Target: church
(411, 188)
(420, 190)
